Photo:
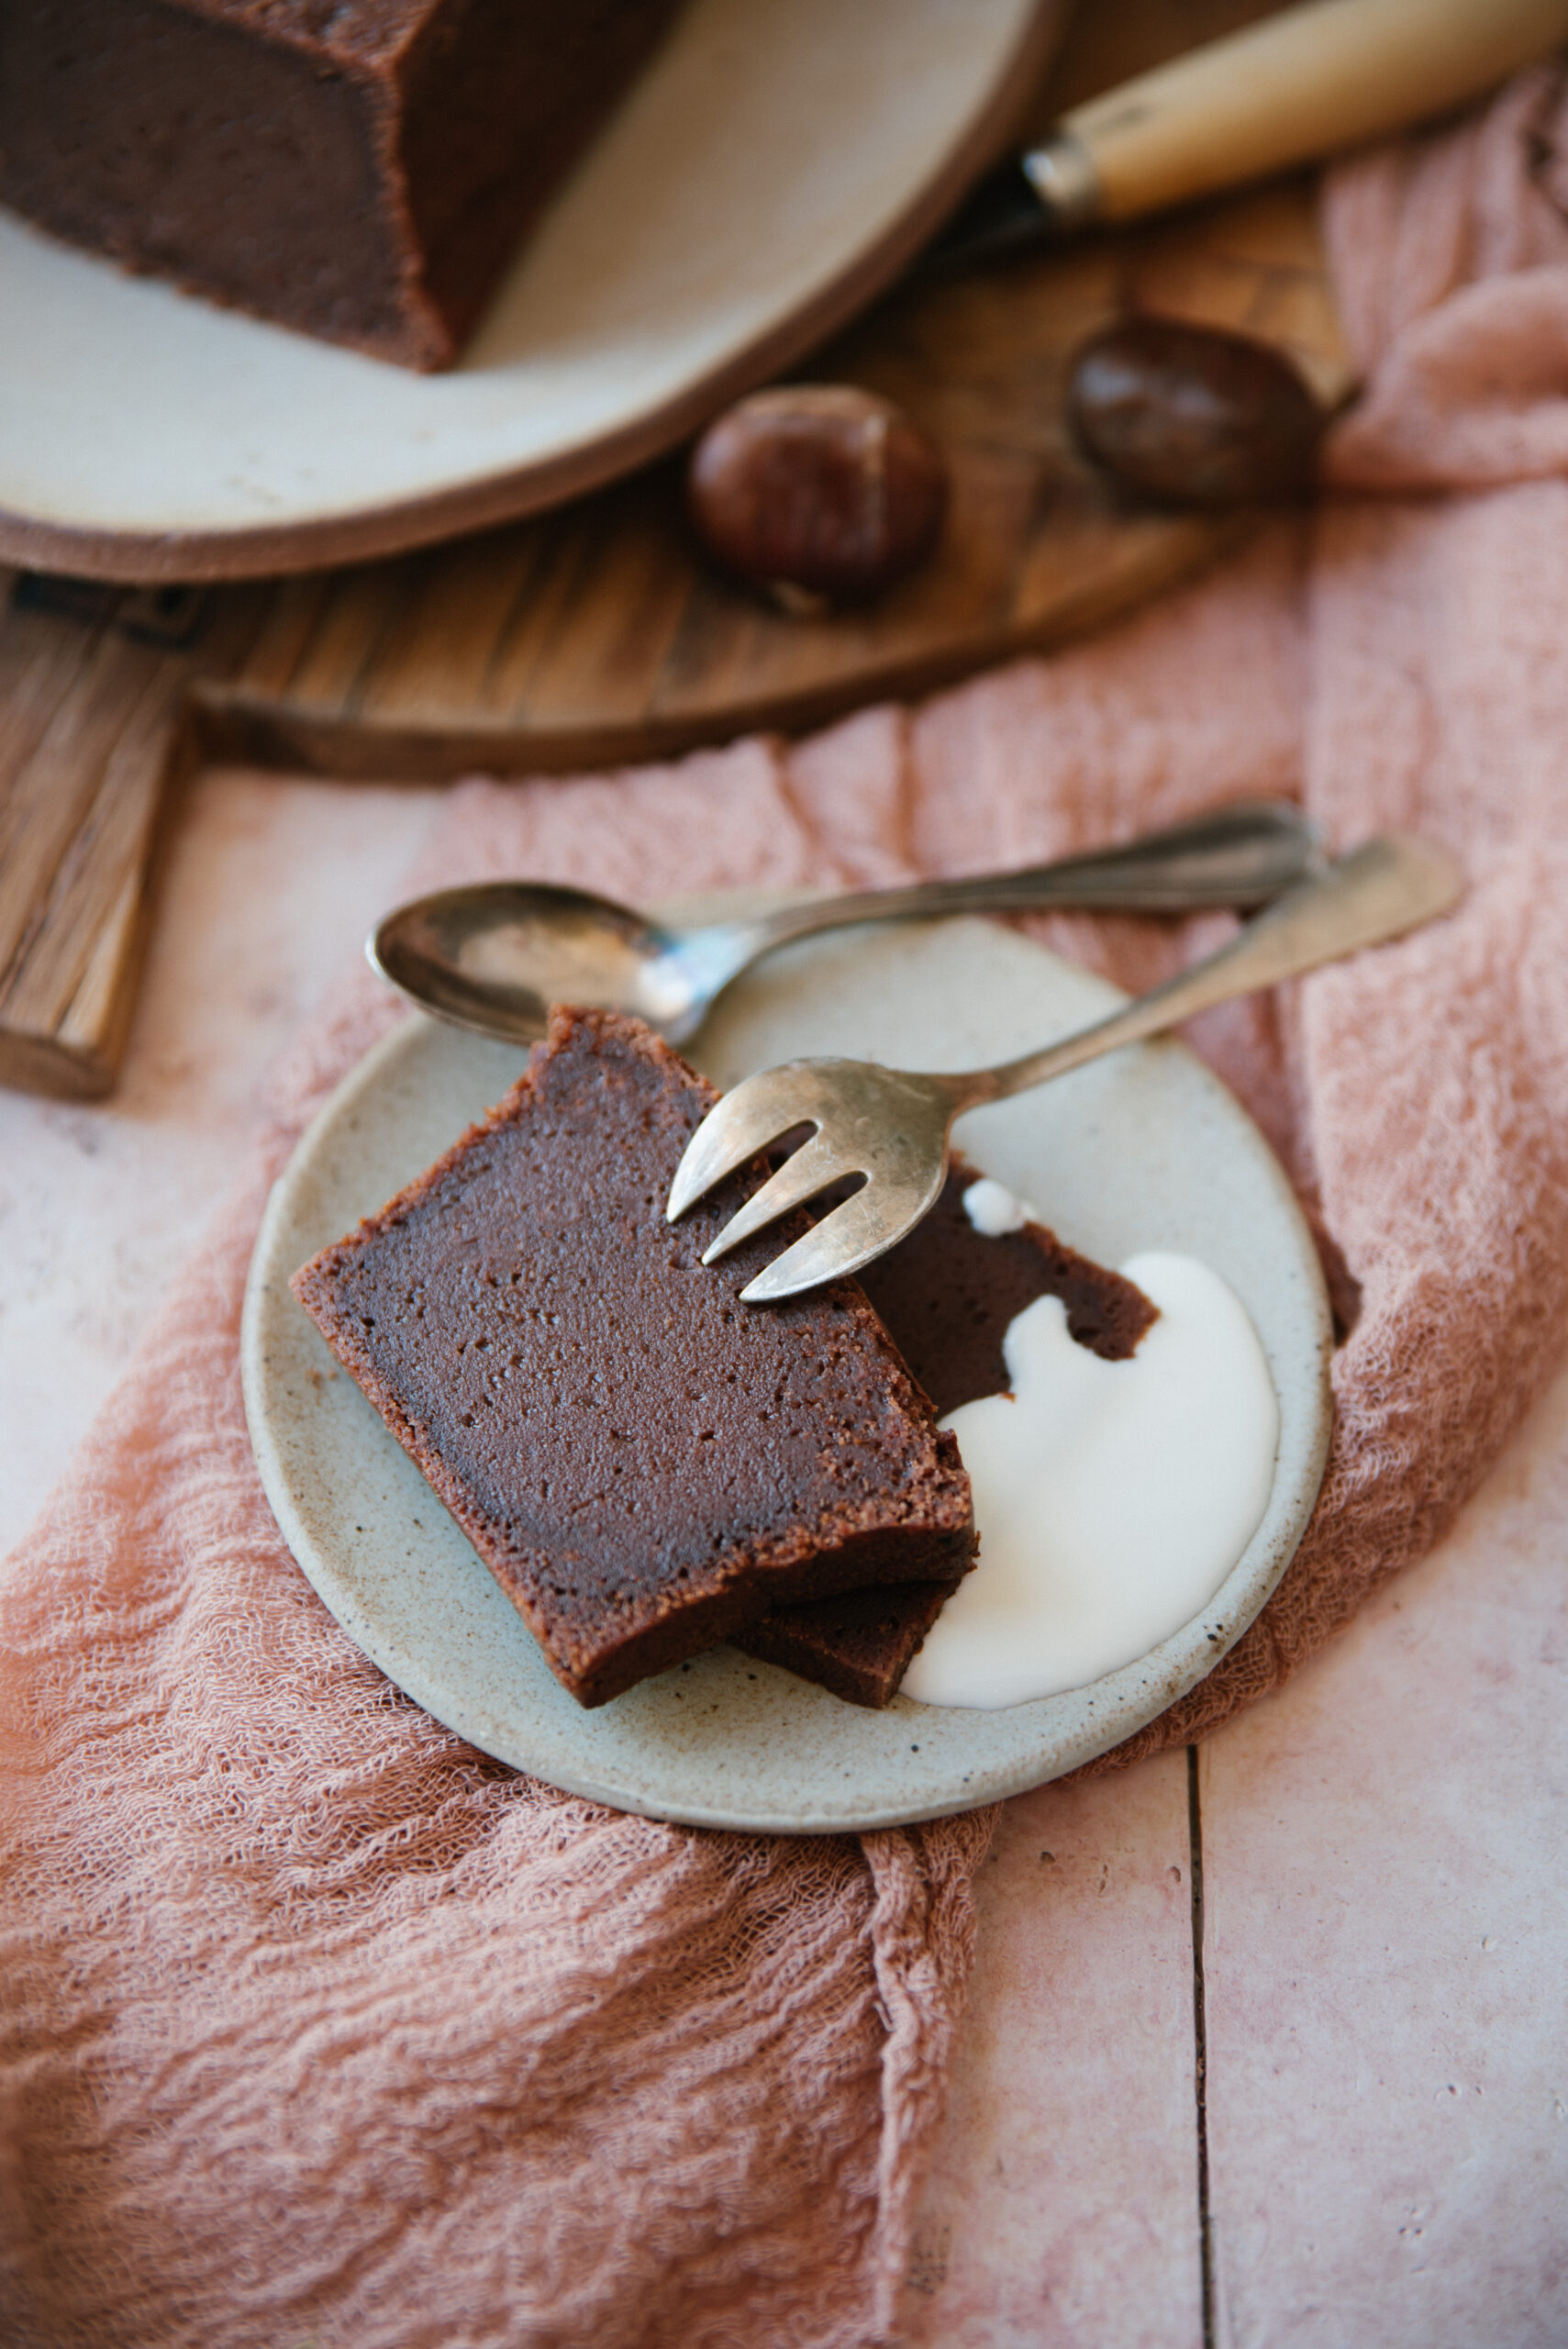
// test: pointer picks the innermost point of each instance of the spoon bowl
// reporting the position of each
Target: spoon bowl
(494, 957)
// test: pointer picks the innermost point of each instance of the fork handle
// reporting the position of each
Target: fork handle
(1379, 892)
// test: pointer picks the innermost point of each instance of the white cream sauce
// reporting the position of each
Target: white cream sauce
(1112, 1498)
(992, 1210)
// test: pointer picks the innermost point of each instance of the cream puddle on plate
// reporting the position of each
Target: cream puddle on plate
(1112, 1498)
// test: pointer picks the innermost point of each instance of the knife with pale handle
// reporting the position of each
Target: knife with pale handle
(1287, 90)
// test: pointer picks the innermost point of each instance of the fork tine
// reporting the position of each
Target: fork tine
(889, 1125)
(856, 1232)
(806, 1171)
(756, 1113)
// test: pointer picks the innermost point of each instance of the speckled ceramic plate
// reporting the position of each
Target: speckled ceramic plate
(775, 167)
(1144, 1149)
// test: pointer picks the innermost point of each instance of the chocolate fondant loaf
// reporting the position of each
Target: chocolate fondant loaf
(644, 1464)
(945, 1296)
(361, 170)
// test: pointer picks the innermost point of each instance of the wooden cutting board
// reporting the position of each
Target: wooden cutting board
(597, 635)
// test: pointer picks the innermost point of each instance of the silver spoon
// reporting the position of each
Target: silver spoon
(891, 1127)
(494, 955)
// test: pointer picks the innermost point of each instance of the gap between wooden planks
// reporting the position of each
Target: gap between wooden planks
(597, 636)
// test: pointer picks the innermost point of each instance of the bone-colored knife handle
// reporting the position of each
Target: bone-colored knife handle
(1295, 87)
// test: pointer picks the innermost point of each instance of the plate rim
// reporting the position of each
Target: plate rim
(260, 550)
(422, 1684)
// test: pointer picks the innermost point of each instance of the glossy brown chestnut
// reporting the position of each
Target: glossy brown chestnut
(820, 494)
(1194, 416)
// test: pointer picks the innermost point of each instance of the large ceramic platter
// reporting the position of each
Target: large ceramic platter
(776, 166)
(1143, 1149)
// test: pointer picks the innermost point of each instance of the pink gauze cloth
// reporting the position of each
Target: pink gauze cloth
(318, 2027)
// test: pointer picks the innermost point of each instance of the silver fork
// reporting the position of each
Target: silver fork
(892, 1126)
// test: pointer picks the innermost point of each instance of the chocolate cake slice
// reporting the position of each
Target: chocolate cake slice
(361, 170)
(645, 1465)
(945, 1296)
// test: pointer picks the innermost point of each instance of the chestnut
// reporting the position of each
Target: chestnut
(820, 493)
(1193, 415)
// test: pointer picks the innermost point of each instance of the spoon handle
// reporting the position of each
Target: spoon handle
(1239, 856)
(1377, 893)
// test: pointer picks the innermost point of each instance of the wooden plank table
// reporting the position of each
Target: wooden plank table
(1380, 2102)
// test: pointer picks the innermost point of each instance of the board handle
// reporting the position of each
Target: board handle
(1297, 85)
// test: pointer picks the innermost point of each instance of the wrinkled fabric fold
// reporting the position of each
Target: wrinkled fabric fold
(319, 2026)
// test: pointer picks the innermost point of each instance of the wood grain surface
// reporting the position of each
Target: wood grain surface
(598, 635)
(94, 736)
